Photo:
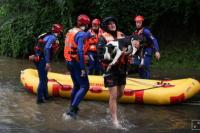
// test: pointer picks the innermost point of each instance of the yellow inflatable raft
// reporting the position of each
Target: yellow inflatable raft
(157, 92)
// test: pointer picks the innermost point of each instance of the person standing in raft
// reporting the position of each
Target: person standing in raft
(76, 44)
(47, 45)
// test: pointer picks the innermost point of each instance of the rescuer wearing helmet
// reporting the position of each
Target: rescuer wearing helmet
(96, 32)
(47, 45)
(150, 46)
(76, 44)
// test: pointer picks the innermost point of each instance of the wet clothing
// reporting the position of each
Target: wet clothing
(116, 76)
(94, 65)
(46, 46)
(42, 91)
(81, 84)
(150, 45)
(144, 72)
(149, 41)
(44, 55)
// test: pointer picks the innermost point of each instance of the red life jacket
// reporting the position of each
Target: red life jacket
(94, 40)
(108, 37)
(140, 33)
(40, 44)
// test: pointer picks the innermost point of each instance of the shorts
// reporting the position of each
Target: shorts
(111, 80)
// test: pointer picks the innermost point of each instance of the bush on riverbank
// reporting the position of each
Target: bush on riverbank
(174, 22)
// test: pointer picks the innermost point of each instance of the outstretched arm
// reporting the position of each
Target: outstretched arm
(149, 36)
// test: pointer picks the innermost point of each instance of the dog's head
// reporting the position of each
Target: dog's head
(105, 51)
(135, 43)
(110, 49)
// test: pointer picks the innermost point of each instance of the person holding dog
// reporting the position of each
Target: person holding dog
(114, 71)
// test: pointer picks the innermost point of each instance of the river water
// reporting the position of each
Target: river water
(20, 113)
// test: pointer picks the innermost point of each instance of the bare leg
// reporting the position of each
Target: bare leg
(113, 105)
(120, 91)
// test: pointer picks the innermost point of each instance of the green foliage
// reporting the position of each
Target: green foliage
(2, 11)
(16, 44)
(181, 55)
(174, 22)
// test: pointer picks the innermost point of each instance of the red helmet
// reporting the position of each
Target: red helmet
(57, 28)
(83, 20)
(139, 18)
(96, 21)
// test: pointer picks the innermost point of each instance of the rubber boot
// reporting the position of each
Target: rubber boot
(73, 112)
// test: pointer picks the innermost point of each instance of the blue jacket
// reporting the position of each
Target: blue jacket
(80, 38)
(150, 40)
(49, 40)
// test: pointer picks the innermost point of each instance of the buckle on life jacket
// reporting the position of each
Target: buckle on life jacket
(38, 48)
(34, 58)
(41, 41)
(74, 57)
(37, 58)
(92, 48)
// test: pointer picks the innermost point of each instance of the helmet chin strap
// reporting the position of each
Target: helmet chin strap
(140, 27)
(56, 34)
(96, 30)
(84, 28)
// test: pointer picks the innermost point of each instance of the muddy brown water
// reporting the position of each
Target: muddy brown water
(20, 113)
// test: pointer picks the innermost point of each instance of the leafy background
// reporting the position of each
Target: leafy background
(174, 22)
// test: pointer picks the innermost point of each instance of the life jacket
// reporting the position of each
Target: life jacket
(108, 37)
(144, 42)
(40, 45)
(70, 49)
(138, 32)
(94, 40)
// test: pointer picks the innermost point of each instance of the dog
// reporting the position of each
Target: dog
(125, 46)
